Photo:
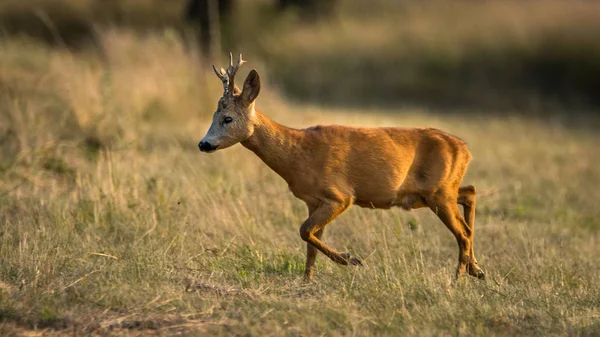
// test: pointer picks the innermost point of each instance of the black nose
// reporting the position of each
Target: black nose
(206, 147)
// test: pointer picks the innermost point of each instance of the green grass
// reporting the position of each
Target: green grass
(113, 222)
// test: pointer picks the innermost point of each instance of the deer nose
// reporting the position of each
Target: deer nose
(206, 147)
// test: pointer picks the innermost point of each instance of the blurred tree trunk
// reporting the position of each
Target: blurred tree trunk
(309, 9)
(209, 17)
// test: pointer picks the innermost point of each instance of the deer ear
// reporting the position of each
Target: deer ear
(251, 87)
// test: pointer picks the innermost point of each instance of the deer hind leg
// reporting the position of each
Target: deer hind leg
(466, 197)
(318, 218)
(445, 207)
(311, 254)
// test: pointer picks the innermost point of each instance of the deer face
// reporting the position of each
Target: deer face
(233, 122)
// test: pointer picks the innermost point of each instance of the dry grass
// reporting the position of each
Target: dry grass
(113, 222)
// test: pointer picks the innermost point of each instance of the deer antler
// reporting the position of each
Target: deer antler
(227, 77)
(223, 76)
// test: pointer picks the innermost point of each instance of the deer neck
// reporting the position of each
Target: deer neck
(275, 144)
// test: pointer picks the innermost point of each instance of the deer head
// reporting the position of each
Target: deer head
(233, 122)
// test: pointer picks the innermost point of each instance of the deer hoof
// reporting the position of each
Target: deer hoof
(351, 259)
(476, 272)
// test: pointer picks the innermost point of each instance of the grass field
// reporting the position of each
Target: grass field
(112, 222)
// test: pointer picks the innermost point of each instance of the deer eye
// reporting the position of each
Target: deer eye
(227, 120)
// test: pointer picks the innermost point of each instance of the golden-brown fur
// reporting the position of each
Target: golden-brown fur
(332, 167)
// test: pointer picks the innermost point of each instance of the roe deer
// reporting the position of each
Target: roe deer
(332, 167)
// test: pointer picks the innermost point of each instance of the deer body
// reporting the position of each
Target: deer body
(374, 167)
(332, 167)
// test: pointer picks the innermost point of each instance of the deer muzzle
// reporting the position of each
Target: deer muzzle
(207, 147)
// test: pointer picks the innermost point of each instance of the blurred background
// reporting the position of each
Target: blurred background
(526, 55)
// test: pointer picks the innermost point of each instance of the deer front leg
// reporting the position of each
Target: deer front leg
(318, 218)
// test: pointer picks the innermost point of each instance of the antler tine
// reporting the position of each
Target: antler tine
(221, 74)
(224, 78)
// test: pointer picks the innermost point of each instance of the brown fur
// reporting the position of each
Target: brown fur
(333, 167)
